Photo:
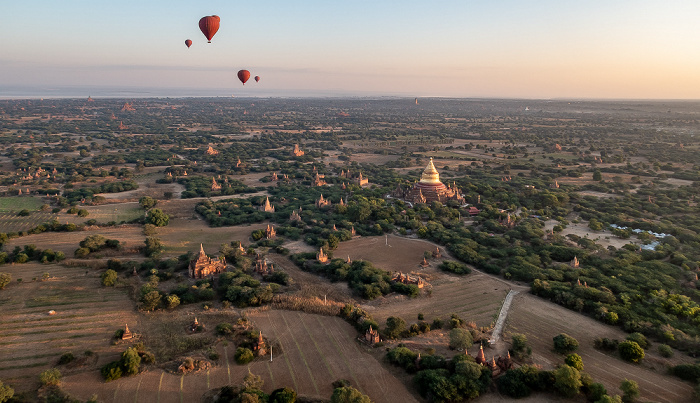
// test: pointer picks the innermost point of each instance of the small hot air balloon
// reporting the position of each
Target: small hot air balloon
(209, 25)
(257, 79)
(188, 43)
(244, 75)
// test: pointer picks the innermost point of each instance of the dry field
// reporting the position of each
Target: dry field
(541, 320)
(104, 213)
(183, 235)
(86, 317)
(377, 159)
(475, 297)
(129, 236)
(315, 351)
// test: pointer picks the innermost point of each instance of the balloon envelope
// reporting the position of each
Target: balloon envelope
(257, 79)
(244, 75)
(188, 43)
(209, 25)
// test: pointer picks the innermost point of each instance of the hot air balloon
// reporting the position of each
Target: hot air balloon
(244, 75)
(188, 43)
(257, 79)
(209, 25)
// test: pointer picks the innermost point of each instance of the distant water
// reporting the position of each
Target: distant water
(25, 92)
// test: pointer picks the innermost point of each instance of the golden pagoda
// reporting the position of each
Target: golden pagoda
(430, 189)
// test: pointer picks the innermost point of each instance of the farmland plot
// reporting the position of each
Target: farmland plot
(315, 351)
(541, 320)
(85, 318)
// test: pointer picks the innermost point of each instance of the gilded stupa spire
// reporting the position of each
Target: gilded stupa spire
(430, 174)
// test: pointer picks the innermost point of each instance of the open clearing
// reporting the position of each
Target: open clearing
(129, 236)
(316, 350)
(86, 317)
(475, 297)
(541, 320)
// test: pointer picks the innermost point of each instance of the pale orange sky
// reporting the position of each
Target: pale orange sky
(459, 48)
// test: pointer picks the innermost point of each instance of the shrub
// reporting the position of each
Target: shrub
(605, 344)
(283, 395)
(6, 392)
(66, 358)
(665, 350)
(574, 361)
(244, 355)
(564, 344)
(50, 377)
(81, 252)
(639, 339)
(630, 351)
(349, 394)
(172, 301)
(224, 328)
(630, 391)
(109, 278)
(5, 279)
(111, 371)
(687, 372)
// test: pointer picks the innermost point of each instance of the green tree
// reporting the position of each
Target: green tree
(172, 301)
(153, 246)
(520, 348)
(460, 339)
(348, 394)
(130, 361)
(5, 279)
(639, 339)
(630, 391)
(597, 176)
(283, 395)
(630, 351)
(147, 202)
(665, 350)
(244, 355)
(93, 242)
(150, 300)
(109, 278)
(50, 377)
(596, 391)
(6, 392)
(575, 361)
(394, 327)
(157, 217)
(564, 344)
(567, 380)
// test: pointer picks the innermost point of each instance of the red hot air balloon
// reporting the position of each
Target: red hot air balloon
(188, 43)
(257, 79)
(244, 75)
(209, 25)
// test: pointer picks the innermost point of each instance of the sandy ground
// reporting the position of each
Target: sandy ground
(604, 238)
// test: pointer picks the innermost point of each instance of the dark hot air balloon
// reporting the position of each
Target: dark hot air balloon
(209, 25)
(244, 75)
(188, 43)
(257, 79)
